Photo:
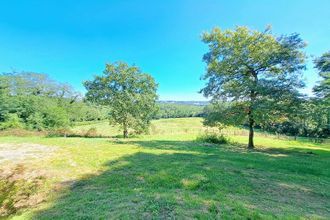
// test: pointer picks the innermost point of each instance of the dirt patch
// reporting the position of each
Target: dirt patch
(20, 152)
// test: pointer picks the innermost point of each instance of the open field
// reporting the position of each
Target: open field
(166, 174)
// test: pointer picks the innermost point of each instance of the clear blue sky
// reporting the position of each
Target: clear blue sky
(72, 40)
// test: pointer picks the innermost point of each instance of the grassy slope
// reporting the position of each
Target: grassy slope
(168, 174)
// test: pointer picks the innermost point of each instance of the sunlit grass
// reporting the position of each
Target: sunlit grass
(167, 174)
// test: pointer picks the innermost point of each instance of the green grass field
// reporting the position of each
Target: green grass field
(165, 175)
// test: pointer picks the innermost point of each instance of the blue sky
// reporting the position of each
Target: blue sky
(72, 40)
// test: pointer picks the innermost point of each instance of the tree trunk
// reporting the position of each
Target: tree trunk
(125, 132)
(251, 131)
(253, 95)
(251, 121)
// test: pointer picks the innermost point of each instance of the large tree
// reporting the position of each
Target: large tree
(255, 73)
(323, 65)
(322, 91)
(130, 94)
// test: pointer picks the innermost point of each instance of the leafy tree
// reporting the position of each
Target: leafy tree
(323, 65)
(130, 94)
(255, 72)
(322, 101)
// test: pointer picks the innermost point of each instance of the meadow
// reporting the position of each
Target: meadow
(166, 174)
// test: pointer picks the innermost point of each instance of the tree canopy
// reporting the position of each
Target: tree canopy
(130, 94)
(256, 73)
(323, 65)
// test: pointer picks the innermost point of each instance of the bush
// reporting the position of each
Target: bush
(20, 132)
(36, 122)
(213, 138)
(11, 121)
(92, 132)
(60, 132)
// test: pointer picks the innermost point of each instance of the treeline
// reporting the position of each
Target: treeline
(173, 110)
(34, 101)
(310, 118)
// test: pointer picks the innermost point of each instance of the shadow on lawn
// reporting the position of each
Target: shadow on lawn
(208, 148)
(209, 182)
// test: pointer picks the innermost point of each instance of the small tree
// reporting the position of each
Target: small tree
(130, 94)
(254, 72)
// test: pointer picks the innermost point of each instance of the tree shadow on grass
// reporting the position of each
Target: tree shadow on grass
(208, 183)
(237, 147)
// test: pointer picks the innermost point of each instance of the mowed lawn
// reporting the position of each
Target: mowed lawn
(167, 175)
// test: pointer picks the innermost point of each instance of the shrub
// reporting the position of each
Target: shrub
(21, 132)
(11, 121)
(60, 132)
(36, 122)
(92, 132)
(213, 138)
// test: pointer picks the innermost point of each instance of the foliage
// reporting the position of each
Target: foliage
(56, 118)
(36, 121)
(4, 101)
(130, 94)
(256, 72)
(310, 119)
(11, 120)
(222, 114)
(307, 117)
(323, 65)
(92, 132)
(213, 138)
(42, 104)
(171, 110)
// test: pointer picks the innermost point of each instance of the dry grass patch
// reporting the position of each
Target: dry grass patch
(20, 188)
(15, 153)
